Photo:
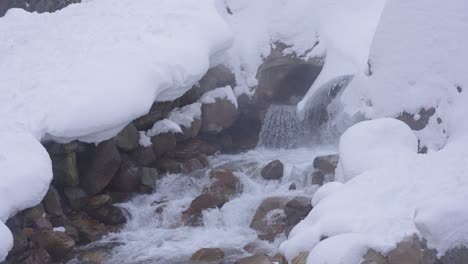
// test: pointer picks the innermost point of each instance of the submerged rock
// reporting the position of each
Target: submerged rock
(273, 170)
(296, 210)
(269, 219)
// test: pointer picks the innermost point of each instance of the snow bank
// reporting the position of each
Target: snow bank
(186, 115)
(88, 70)
(390, 192)
(222, 93)
(163, 126)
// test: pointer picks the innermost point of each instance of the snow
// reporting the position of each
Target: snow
(59, 229)
(144, 140)
(390, 192)
(221, 93)
(88, 70)
(186, 115)
(163, 126)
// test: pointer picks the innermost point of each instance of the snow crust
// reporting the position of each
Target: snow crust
(85, 72)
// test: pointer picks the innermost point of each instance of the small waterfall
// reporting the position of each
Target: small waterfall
(281, 128)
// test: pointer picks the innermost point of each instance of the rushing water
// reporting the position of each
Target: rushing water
(155, 235)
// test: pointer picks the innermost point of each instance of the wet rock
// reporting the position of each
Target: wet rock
(373, 257)
(273, 170)
(65, 170)
(163, 143)
(218, 76)
(269, 219)
(42, 224)
(167, 165)
(292, 187)
(158, 111)
(57, 244)
(318, 177)
(109, 214)
(37, 256)
(127, 139)
(33, 213)
(57, 149)
(52, 202)
(218, 116)
(89, 230)
(20, 241)
(296, 210)
(148, 178)
(409, 251)
(143, 156)
(205, 201)
(127, 178)
(193, 148)
(225, 183)
(190, 131)
(98, 201)
(118, 197)
(39, 6)
(280, 259)
(419, 121)
(77, 197)
(192, 165)
(100, 167)
(94, 256)
(327, 164)
(255, 259)
(457, 255)
(207, 255)
(301, 258)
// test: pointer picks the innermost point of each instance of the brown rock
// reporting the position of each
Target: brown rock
(280, 259)
(218, 116)
(148, 178)
(207, 255)
(100, 167)
(126, 179)
(224, 183)
(327, 164)
(269, 219)
(205, 201)
(373, 257)
(57, 244)
(52, 202)
(318, 177)
(296, 210)
(301, 258)
(109, 214)
(193, 148)
(98, 201)
(189, 132)
(409, 251)
(192, 165)
(127, 139)
(76, 197)
(37, 256)
(163, 143)
(89, 230)
(43, 224)
(167, 165)
(143, 156)
(65, 170)
(273, 170)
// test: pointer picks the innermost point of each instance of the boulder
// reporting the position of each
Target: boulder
(148, 178)
(143, 156)
(77, 197)
(65, 170)
(127, 178)
(207, 255)
(373, 257)
(32, 214)
(327, 164)
(98, 201)
(318, 177)
(411, 250)
(301, 258)
(192, 165)
(273, 170)
(167, 165)
(163, 143)
(109, 215)
(255, 259)
(158, 111)
(52, 202)
(225, 183)
(100, 167)
(205, 201)
(42, 223)
(219, 115)
(57, 149)
(218, 76)
(37, 256)
(89, 230)
(39, 6)
(193, 148)
(127, 139)
(296, 210)
(190, 131)
(57, 244)
(280, 259)
(269, 219)
(458, 255)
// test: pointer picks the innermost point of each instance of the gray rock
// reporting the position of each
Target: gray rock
(189, 132)
(100, 167)
(143, 156)
(420, 122)
(163, 143)
(39, 6)
(52, 202)
(167, 165)
(148, 178)
(301, 258)
(76, 197)
(98, 201)
(273, 170)
(318, 177)
(255, 259)
(327, 164)
(457, 255)
(57, 244)
(374, 257)
(109, 214)
(128, 138)
(65, 170)
(296, 210)
(207, 255)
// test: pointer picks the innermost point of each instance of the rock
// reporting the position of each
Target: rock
(273, 170)
(57, 149)
(458, 255)
(148, 178)
(52, 202)
(158, 111)
(127, 178)
(205, 201)
(269, 219)
(292, 187)
(118, 197)
(109, 215)
(373, 257)
(301, 258)
(98, 201)
(284, 78)
(33, 213)
(37, 256)
(296, 210)
(42, 224)
(57, 244)
(193, 148)
(280, 259)
(77, 197)
(94, 256)
(192, 165)
(255, 259)
(327, 164)
(409, 251)
(318, 177)
(218, 116)
(100, 167)
(39, 6)
(89, 230)
(225, 183)
(207, 255)
(189, 132)
(419, 121)
(163, 143)
(203, 159)
(65, 170)
(127, 139)
(218, 76)
(143, 156)
(167, 165)
(20, 241)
